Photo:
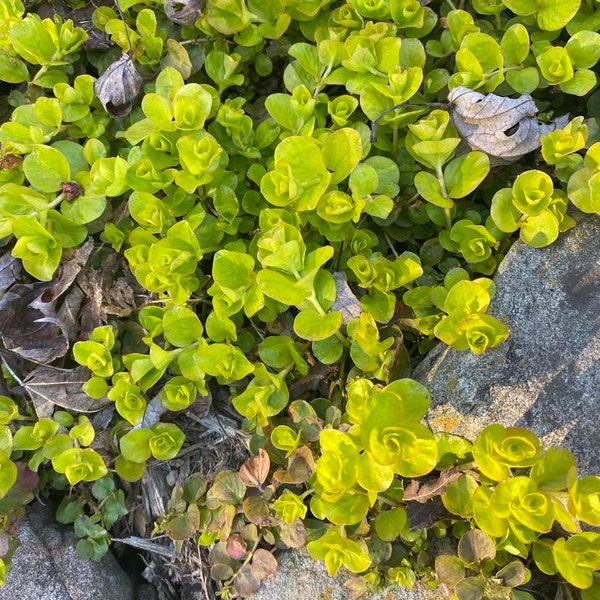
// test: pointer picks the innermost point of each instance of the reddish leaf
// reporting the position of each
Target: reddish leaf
(236, 546)
(246, 583)
(256, 469)
(256, 510)
(301, 465)
(293, 535)
(264, 564)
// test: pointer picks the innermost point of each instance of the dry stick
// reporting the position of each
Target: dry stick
(375, 122)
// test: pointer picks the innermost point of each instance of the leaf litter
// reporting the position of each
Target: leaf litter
(39, 322)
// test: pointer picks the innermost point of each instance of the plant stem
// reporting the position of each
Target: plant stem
(56, 201)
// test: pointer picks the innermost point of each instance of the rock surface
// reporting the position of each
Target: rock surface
(46, 566)
(302, 578)
(546, 376)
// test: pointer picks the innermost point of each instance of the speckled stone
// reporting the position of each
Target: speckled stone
(302, 578)
(546, 376)
(46, 566)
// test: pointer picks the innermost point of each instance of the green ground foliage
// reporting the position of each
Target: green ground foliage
(309, 195)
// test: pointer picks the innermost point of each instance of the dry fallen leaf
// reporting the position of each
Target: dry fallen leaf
(10, 269)
(183, 12)
(503, 128)
(29, 323)
(345, 302)
(49, 387)
(424, 515)
(418, 491)
(118, 87)
(29, 331)
(255, 470)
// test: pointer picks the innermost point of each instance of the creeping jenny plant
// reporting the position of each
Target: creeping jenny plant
(276, 240)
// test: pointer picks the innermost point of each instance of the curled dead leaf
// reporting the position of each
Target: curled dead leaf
(422, 491)
(503, 128)
(184, 12)
(255, 470)
(118, 87)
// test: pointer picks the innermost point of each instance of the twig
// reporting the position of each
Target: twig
(146, 545)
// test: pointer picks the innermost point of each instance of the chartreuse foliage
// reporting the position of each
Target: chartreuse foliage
(279, 242)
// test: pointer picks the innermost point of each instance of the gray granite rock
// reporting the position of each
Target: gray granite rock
(46, 567)
(302, 578)
(546, 376)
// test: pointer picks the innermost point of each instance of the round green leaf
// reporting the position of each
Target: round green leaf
(463, 174)
(313, 326)
(583, 190)
(540, 230)
(328, 351)
(372, 476)
(389, 524)
(166, 441)
(458, 497)
(181, 325)
(134, 445)
(46, 168)
(342, 151)
(429, 188)
(578, 557)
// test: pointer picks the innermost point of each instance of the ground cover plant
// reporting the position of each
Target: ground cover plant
(289, 202)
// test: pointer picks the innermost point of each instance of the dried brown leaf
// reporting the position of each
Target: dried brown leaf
(246, 583)
(293, 535)
(118, 87)
(256, 469)
(356, 587)
(418, 491)
(264, 564)
(66, 275)
(424, 515)
(345, 302)
(28, 331)
(184, 12)
(504, 128)
(10, 269)
(68, 314)
(301, 465)
(29, 324)
(49, 387)
(154, 410)
(312, 381)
